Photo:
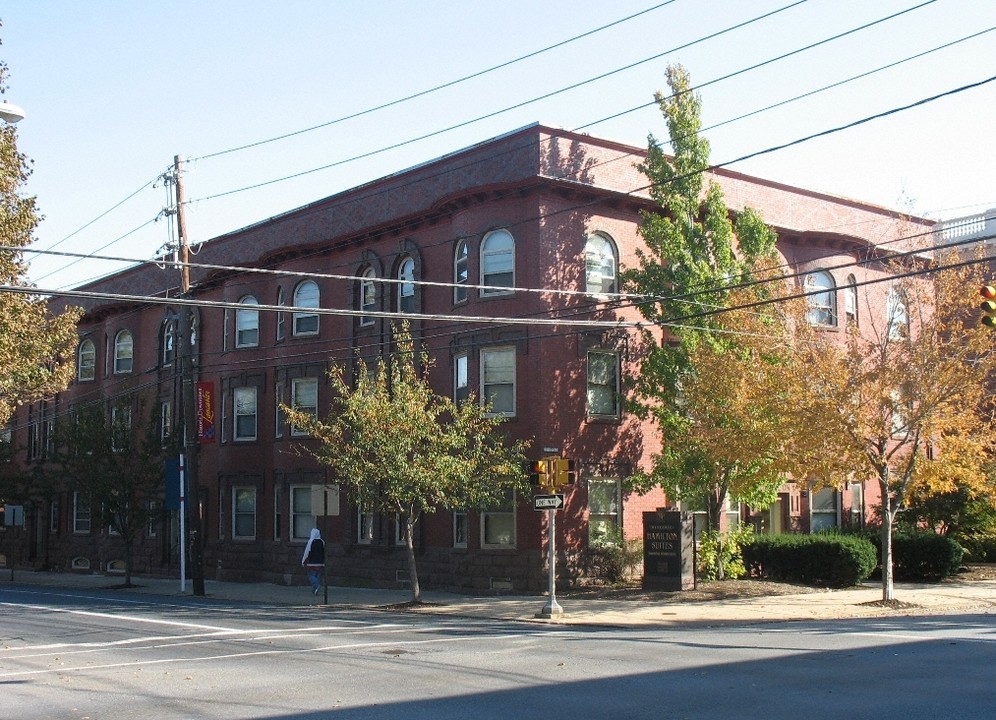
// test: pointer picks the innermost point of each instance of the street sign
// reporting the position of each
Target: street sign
(548, 502)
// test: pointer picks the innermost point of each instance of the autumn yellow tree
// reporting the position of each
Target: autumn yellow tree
(36, 347)
(905, 402)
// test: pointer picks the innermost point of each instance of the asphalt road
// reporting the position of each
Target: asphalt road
(91, 654)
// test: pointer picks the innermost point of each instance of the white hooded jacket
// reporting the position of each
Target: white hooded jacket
(315, 535)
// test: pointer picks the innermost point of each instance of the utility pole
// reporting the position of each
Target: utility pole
(185, 357)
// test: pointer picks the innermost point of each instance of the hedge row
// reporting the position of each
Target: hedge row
(828, 560)
(921, 556)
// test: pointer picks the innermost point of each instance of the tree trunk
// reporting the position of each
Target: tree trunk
(888, 514)
(412, 571)
(714, 514)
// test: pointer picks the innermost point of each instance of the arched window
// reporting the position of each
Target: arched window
(124, 348)
(897, 315)
(86, 368)
(600, 264)
(406, 288)
(497, 262)
(306, 295)
(461, 271)
(247, 323)
(851, 300)
(167, 341)
(367, 300)
(822, 298)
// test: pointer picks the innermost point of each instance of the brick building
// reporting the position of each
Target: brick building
(496, 232)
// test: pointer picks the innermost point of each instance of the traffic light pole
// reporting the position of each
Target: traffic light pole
(552, 607)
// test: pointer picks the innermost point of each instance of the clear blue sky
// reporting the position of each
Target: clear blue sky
(113, 90)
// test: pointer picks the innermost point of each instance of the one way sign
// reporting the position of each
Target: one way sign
(548, 502)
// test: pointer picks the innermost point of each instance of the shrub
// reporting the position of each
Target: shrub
(611, 558)
(924, 556)
(828, 560)
(919, 556)
(716, 548)
(979, 547)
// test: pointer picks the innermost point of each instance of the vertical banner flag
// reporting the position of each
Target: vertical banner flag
(205, 412)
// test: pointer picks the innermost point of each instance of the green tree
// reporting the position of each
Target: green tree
(115, 456)
(401, 449)
(36, 348)
(708, 378)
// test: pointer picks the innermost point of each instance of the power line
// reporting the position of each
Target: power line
(435, 88)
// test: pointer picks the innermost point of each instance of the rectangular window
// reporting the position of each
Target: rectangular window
(399, 531)
(305, 399)
(224, 417)
(824, 509)
(498, 379)
(244, 412)
(81, 514)
(498, 525)
(165, 419)
(244, 513)
(603, 507)
(460, 529)
(120, 427)
(302, 519)
(461, 379)
(603, 384)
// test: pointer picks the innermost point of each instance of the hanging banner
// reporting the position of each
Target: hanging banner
(205, 412)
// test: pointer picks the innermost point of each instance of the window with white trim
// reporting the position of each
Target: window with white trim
(244, 413)
(461, 271)
(498, 524)
(461, 378)
(603, 507)
(897, 315)
(124, 348)
(244, 513)
(302, 518)
(165, 419)
(824, 509)
(120, 427)
(498, 379)
(406, 286)
(497, 262)
(167, 341)
(822, 299)
(87, 365)
(304, 397)
(81, 514)
(603, 384)
(247, 323)
(851, 300)
(306, 295)
(367, 300)
(600, 264)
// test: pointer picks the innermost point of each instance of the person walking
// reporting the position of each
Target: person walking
(313, 560)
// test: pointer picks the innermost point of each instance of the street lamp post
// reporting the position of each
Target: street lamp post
(10, 112)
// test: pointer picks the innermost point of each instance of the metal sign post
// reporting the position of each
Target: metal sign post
(183, 524)
(552, 607)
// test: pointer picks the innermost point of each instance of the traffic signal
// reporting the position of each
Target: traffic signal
(565, 472)
(988, 305)
(537, 470)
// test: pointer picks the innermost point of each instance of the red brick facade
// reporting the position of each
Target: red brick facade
(550, 190)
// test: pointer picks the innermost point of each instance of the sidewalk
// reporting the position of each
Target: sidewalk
(915, 599)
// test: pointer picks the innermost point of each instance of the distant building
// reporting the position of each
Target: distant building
(497, 230)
